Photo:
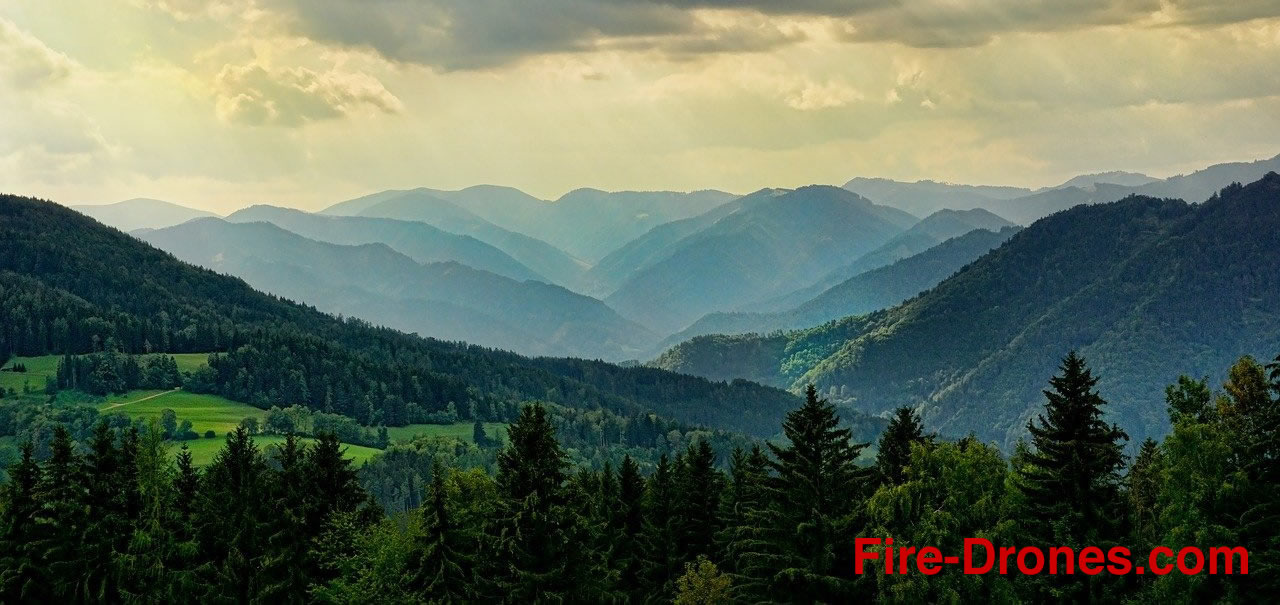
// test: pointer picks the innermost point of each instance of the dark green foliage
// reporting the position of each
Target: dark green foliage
(540, 536)
(124, 522)
(442, 565)
(1072, 479)
(894, 453)
(815, 496)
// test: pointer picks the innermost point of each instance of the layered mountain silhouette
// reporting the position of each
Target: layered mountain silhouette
(424, 206)
(419, 241)
(775, 242)
(1023, 206)
(1144, 288)
(869, 291)
(933, 230)
(445, 300)
(141, 213)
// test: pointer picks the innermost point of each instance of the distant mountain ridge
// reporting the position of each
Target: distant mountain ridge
(141, 213)
(866, 292)
(929, 232)
(775, 242)
(1144, 288)
(446, 300)
(1024, 206)
(422, 205)
(419, 241)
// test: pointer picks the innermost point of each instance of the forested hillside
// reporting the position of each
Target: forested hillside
(869, 291)
(1146, 288)
(68, 284)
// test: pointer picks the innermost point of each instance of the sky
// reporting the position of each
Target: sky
(225, 103)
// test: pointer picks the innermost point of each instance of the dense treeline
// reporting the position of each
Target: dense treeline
(68, 285)
(120, 522)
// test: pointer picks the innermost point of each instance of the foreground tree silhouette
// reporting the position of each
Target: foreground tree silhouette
(816, 494)
(1072, 482)
(895, 445)
(540, 537)
(441, 568)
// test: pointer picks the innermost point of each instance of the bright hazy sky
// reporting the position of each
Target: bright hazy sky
(224, 103)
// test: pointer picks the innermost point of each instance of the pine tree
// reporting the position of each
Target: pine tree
(1143, 489)
(285, 564)
(1072, 482)
(816, 494)
(61, 519)
(658, 541)
(231, 518)
(627, 528)
(698, 485)
(895, 445)
(106, 522)
(1251, 416)
(744, 512)
(539, 535)
(441, 567)
(21, 577)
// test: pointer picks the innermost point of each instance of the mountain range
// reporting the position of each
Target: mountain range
(869, 291)
(1144, 288)
(775, 242)
(68, 283)
(446, 300)
(1023, 206)
(417, 240)
(141, 213)
(422, 205)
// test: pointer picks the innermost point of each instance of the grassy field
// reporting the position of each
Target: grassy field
(461, 430)
(47, 365)
(203, 450)
(37, 369)
(204, 411)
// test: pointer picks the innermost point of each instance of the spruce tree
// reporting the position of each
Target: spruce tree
(22, 579)
(895, 445)
(231, 519)
(107, 527)
(658, 541)
(285, 563)
(698, 485)
(1143, 486)
(744, 512)
(1072, 483)
(540, 537)
(441, 565)
(816, 495)
(627, 525)
(61, 519)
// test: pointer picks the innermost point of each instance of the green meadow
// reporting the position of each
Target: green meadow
(460, 430)
(206, 412)
(37, 369)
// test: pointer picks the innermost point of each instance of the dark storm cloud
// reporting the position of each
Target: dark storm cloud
(478, 34)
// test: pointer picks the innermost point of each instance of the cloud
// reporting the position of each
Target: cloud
(946, 23)
(454, 35)
(26, 62)
(255, 95)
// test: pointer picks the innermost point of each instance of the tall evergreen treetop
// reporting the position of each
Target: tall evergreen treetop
(817, 490)
(895, 445)
(1076, 458)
